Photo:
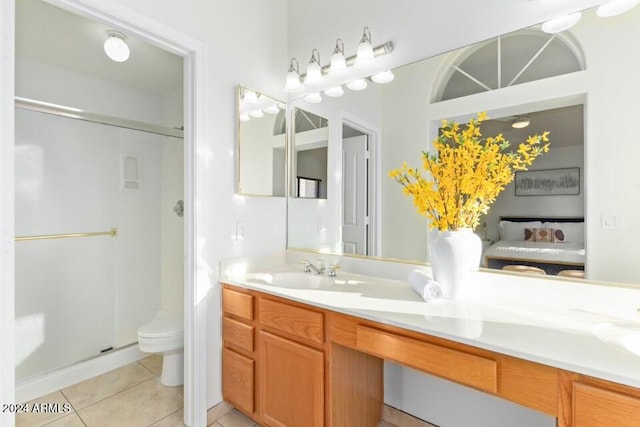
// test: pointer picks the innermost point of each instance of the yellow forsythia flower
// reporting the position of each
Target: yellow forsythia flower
(466, 174)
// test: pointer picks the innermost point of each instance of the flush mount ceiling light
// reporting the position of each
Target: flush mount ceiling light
(520, 122)
(364, 55)
(615, 7)
(293, 83)
(115, 46)
(338, 61)
(561, 24)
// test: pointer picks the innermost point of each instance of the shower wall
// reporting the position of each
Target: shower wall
(78, 296)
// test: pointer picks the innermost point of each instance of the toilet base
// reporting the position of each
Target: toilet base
(172, 368)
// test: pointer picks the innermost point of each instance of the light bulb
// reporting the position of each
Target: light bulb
(338, 62)
(615, 7)
(115, 47)
(313, 98)
(364, 54)
(314, 71)
(256, 114)
(271, 109)
(383, 77)
(561, 24)
(250, 97)
(334, 92)
(358, 84)
(244, 117)
(293, 83)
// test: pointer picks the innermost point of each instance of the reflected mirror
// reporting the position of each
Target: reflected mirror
(310, 147)
(578, 84)
(261, 144)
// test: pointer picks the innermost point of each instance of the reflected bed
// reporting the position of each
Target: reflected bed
(551, 243)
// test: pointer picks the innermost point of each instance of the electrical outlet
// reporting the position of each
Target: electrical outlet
(240, 230)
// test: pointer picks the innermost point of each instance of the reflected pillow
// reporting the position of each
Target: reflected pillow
(514, 231)
(549, 235)
(573, 231)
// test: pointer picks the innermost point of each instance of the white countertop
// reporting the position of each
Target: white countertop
(585, 328)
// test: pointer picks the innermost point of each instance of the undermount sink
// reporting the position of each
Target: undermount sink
(293, 279)
(623, 334)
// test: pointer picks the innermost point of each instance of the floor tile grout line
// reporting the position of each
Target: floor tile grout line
(114, 394)
(166, 416)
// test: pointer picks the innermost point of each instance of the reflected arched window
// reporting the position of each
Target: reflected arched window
(512, 59)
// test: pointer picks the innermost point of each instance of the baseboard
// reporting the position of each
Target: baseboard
(32, 388)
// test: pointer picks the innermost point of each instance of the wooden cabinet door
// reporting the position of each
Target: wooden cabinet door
(237, 380)
(291, 381)
(596, 407)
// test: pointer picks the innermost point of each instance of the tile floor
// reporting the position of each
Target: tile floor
(132, 396)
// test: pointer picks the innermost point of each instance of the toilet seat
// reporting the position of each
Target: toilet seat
(164, 333)
(165, 325)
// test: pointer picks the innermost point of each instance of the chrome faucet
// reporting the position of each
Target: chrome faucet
(332, 270)
(319, 269)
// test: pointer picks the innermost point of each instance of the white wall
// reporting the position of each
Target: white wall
(245, 43)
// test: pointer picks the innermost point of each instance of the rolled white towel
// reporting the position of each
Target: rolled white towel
(425, 286)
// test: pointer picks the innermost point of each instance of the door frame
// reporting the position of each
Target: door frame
(194, 78)
(374, 233)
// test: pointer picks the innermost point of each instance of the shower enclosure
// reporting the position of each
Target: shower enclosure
(98, 245)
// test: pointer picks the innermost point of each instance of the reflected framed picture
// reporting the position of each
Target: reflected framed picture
(548, 182)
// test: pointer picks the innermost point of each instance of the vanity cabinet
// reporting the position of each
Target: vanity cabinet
(238, 356)
(315, 367)
(291, 365)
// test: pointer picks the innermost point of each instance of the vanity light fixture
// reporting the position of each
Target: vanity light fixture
(338, 62)
(383, 77)
(358, 84)
(334, 92)
(615, 7)
(271, 109)
(250, 97)
(563, 23)
(313, 98)
(257, 113)
(520, 122)
(364, 56)
(314, 70)
(115, 46)
(293, 83)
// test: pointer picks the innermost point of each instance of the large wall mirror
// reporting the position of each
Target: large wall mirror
(262, 138)
(580, 85)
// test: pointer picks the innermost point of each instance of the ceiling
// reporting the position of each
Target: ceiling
(53, 36)
(565, 126)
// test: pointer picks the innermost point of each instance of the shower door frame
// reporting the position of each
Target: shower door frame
(192, 51)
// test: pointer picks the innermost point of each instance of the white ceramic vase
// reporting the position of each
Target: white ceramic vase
(453, 254)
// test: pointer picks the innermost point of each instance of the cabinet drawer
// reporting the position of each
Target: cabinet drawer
(237, 333)
(237, 303)
(469, 369)
(237, 380)
(593, 406)
(294, 321)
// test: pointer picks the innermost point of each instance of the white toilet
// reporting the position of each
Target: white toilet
(165, 334)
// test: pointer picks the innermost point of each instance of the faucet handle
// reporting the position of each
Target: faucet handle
(307, 266)
(332, 269)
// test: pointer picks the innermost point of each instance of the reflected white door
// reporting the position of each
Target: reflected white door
(355, 218)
